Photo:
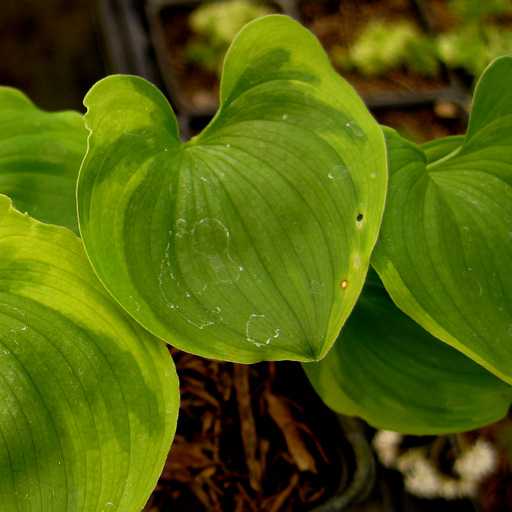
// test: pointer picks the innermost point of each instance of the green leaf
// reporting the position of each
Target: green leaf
(445, 248)
(40, 155)
(440, 148)
(89, 398)
(388, 370)
(251, 241)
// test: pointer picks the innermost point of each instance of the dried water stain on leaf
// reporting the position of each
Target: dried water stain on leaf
(245, 442)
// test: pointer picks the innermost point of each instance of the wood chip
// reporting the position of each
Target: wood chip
(284, 419)
(184, 456)
(284, 495)
(247, 425)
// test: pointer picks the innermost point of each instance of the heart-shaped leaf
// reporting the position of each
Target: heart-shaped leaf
(252, 240)
(387, 369)
(40, 155)
(89, 398)
(445, 248)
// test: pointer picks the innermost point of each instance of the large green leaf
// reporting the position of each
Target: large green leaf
(89, 398)
(40, 155)
(388, 370)
(252, 240)
(445, 248)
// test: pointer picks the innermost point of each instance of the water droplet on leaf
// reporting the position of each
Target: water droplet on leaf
(260, 331)
(355, 129)
(338, 172)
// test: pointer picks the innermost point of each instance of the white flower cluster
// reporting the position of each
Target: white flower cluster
(423, 479)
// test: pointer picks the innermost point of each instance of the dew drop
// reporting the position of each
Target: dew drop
(359, 220)
(357, 260)
(285, 117)
(210, 238)
(355, 128)
(181, 225)
(260, 331)
(343, 284)
(338, 172)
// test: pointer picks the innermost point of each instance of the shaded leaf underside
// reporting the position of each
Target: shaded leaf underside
(387, 369)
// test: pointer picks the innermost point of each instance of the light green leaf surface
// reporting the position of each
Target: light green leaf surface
(40, 156)
(387, 369)
(445, 248)
(251, 241)
(89, 399)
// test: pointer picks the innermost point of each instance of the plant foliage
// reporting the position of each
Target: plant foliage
(89, 398)
(443, 254)
(471, 45)
(40, 154)
(250, 242)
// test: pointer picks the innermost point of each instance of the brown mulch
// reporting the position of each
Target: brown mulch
(250, 438)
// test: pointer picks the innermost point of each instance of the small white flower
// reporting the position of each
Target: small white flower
(422, 479)
(450, 489)
(477, 462)
(386, 444)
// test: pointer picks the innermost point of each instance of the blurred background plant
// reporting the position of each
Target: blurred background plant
(381, 47)
(478, 36)
(215, 25)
